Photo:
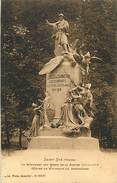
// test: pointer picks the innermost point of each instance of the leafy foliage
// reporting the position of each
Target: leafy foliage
(27, 46)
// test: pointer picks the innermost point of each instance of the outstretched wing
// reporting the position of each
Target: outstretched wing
(97, 58)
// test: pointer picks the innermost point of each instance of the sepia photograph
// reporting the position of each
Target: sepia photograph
(58, 91)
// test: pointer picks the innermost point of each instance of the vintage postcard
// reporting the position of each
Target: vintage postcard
(59, 91)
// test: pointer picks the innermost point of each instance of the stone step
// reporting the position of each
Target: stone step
(61, 142)
(51, 132)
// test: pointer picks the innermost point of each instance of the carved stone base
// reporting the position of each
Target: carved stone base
(62, 142)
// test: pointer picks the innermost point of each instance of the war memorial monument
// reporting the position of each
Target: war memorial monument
(64, 117)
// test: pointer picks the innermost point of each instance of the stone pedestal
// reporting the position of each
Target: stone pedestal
(51, 132)
(58, 83)
(62, 74)
(61, 142)
(54, 139)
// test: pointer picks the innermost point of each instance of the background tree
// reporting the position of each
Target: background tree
(27, 46)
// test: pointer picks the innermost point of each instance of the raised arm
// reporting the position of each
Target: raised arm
(51, 24)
